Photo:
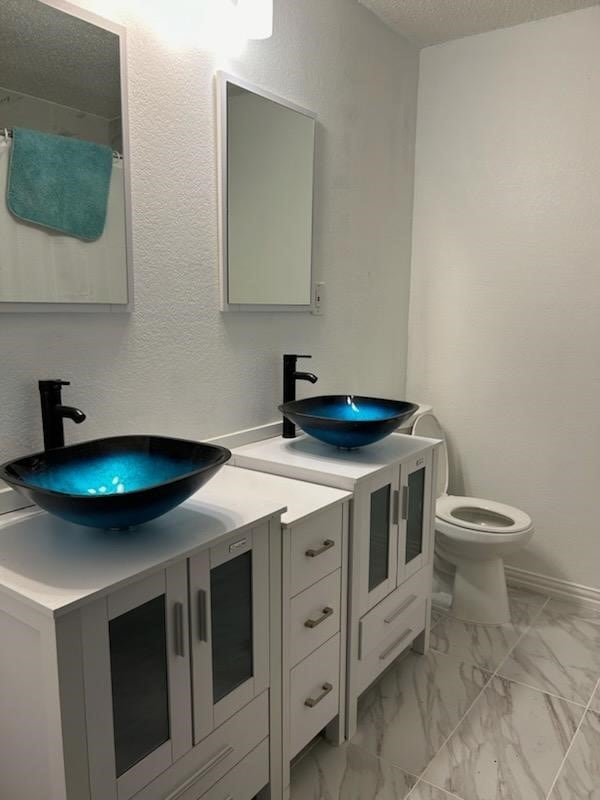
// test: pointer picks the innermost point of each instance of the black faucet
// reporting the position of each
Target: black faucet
(53, 413)
(290, 376)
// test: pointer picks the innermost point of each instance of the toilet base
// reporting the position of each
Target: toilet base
(480, 593)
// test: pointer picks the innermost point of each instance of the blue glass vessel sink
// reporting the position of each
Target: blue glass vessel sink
(348, 421)
(116, 482)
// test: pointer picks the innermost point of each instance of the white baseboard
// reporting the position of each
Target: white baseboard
(554, 587)
(535, 582)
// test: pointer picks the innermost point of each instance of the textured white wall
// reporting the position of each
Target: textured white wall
(505, 298)
(177, 365)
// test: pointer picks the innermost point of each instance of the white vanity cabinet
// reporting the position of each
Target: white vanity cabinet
(391, 540)
(314, 590)
(195, 630)
(144, 665)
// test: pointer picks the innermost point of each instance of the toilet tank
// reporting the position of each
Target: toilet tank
(406, 427)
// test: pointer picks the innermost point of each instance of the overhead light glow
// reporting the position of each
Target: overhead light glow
(255, 18)
(214, 25)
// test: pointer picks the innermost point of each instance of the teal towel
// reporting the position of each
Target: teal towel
(59, 183)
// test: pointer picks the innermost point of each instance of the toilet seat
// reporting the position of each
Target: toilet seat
(467, 513)
(478, 514)
(475, 536)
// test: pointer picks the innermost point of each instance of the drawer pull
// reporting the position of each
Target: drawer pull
(312, 623)
(408, 602)
(311, 702)
(395, 644)
(204, 770)
(327, 545)
(179, 637)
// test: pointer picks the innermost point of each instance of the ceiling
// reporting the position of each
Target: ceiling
(425, 22)
(58, 57)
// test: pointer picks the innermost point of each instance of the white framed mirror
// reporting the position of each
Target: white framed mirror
(65, 232)
(266, 187)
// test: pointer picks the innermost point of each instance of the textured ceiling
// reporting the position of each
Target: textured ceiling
(53, 55)
(426, 22)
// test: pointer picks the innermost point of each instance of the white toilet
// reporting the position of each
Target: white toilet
(474, 535)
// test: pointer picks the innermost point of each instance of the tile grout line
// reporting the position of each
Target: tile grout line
(492, 675)
(384, 761)
(525, 630)
(451, 795)
(494, 672)
(541, 691)
(571, 743)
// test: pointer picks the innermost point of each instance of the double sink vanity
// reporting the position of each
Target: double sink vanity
(193, 657)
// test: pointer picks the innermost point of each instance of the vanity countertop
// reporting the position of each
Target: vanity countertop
(305, 458)
(303, 499)
(55, 566)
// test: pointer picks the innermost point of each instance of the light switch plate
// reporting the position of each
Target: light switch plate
(318, 303)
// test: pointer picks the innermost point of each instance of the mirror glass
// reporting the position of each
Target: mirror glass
(63, 220)
(267, 192)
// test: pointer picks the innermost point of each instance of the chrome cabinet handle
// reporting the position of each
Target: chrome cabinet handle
(202, 612)
(179, 637)
(327, 545)
(405, 497)
(206, 768)
(312, 623)
(311, 702)
(401, 608)
(395, 644)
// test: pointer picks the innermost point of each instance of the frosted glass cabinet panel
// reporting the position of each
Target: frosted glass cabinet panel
(414, 516)
(394, 508)
(379, 536)
(231, 622)
(415, 492)
(377, 507)
(140, 682)
(137, 682)
(229, 604)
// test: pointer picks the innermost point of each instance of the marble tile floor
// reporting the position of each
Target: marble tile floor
(507, 712)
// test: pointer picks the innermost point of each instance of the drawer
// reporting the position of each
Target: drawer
(193, 774)
(244, 781)
(314, 694)
(404, 631)
(314, 616)
(389, 613)
(316, 548)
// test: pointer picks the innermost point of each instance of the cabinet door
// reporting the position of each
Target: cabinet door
(415, 525)
(229, 603)
(376, 526)
(137, 683)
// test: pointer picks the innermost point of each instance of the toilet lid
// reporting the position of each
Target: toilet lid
(478, 514)
(428, 426)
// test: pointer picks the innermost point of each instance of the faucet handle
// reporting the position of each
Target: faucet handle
(295, 355)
